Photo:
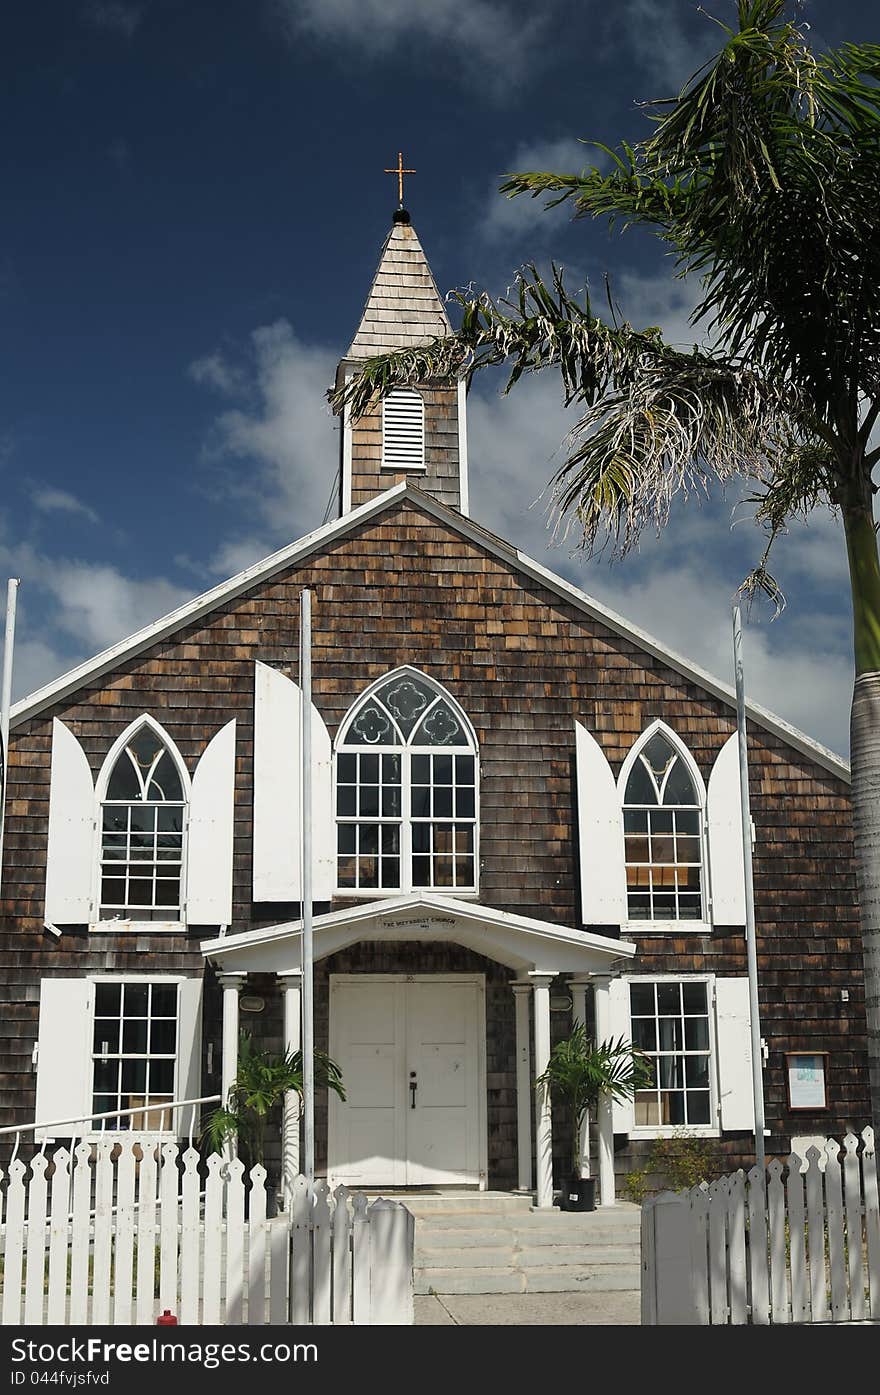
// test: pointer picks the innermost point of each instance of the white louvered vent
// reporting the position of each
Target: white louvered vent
(403, 431)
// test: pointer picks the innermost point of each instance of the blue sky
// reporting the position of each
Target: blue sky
(194, 205)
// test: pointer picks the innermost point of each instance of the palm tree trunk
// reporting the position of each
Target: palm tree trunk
(861, 541)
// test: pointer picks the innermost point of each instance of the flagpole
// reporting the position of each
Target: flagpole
(6, 700)
(751, 948)
(308, 1007)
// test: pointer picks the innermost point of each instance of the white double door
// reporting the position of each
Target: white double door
(412, 1054)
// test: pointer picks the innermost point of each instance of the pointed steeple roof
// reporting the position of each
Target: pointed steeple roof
(404, 308)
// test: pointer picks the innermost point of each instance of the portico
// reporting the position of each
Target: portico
(417, 1089)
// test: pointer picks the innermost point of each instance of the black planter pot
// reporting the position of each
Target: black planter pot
(578, 1194)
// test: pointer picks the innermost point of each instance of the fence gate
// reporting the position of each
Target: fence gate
(799, 1243)
(119, 1231)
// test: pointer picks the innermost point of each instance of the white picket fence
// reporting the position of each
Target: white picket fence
(799, 1244)
(121, 1232)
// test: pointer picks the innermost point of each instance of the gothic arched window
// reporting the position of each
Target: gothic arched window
(406, 790)
(143, 807)
(663, 830)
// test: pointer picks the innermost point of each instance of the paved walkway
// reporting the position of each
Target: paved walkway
(528, 1309)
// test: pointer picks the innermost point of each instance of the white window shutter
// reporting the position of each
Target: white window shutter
(278, 793)
(403, 430)
(734, 1044)
(622, 1111)
(603, 873)
(209, 834)
(724, 820)
(189, 1052)
(64, 1054)
(71, 851)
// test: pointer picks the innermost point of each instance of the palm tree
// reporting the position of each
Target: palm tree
(763, 177)
(580, 1072)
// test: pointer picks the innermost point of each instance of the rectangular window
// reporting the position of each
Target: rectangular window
(443, 820)
(670, 1023)
(142, 860)
(368, 807)
(134, 1053)
(663, 863)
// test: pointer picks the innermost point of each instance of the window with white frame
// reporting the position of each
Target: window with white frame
(134, 1053)
(663, 834)
(670, 1023)
(142, 832)
(403, 430)
(406, 791)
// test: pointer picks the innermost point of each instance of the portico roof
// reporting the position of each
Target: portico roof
(520, 942)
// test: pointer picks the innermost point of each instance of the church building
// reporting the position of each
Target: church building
(525, 811)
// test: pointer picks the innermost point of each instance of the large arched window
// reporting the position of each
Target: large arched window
(663, 801)
(143, 797)
(406, 790)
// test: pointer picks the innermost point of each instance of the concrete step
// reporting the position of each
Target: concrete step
(620, 1278)
(472, 1257)
(540, 1251)
(564, 1222)
(563, 1256)
(623, 1278)
(492, 1205)
(479, 1280)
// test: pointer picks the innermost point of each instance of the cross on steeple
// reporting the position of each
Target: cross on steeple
(400, 172)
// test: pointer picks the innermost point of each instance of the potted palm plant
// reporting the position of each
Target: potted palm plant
(261, 1082)
(578, 1074)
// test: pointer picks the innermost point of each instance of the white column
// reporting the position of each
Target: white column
(578, 988)
(602, 999)
(290, 984)
(544, 1127)
(232, 984)
(524, 1100)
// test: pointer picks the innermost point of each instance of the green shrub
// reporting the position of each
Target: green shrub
(679, 1160)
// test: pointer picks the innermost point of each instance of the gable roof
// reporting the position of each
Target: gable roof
(521, 942)
(404, 308)
(304, 547)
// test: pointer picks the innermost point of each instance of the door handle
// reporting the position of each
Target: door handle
(413, 1086)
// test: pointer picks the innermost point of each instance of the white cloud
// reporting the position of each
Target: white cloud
(279, 445)
(98, 605)
(70, 609)
(678, 587)
(114, 17)
(48, 499)
(505, 219)
(666, 38)
(493, 39)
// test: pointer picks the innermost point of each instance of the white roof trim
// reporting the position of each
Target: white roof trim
(539, 935)
(297, 551)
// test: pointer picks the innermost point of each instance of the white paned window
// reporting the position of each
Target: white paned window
(670, 1021)
(403, 431)
(406, 791)
(134, 1052)
(663, 833)
(142, 832)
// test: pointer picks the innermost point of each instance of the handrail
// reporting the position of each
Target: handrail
(111, 1114)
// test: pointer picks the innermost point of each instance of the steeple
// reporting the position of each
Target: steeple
(403, 308)
(417, 433)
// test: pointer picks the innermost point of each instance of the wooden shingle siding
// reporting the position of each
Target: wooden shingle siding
(440, 476)
(404, 589)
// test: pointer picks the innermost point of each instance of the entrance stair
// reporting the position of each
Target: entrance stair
(497, 1242)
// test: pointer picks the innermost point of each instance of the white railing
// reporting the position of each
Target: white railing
(56, 1125)
(196, 1242)
(800, 1244)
